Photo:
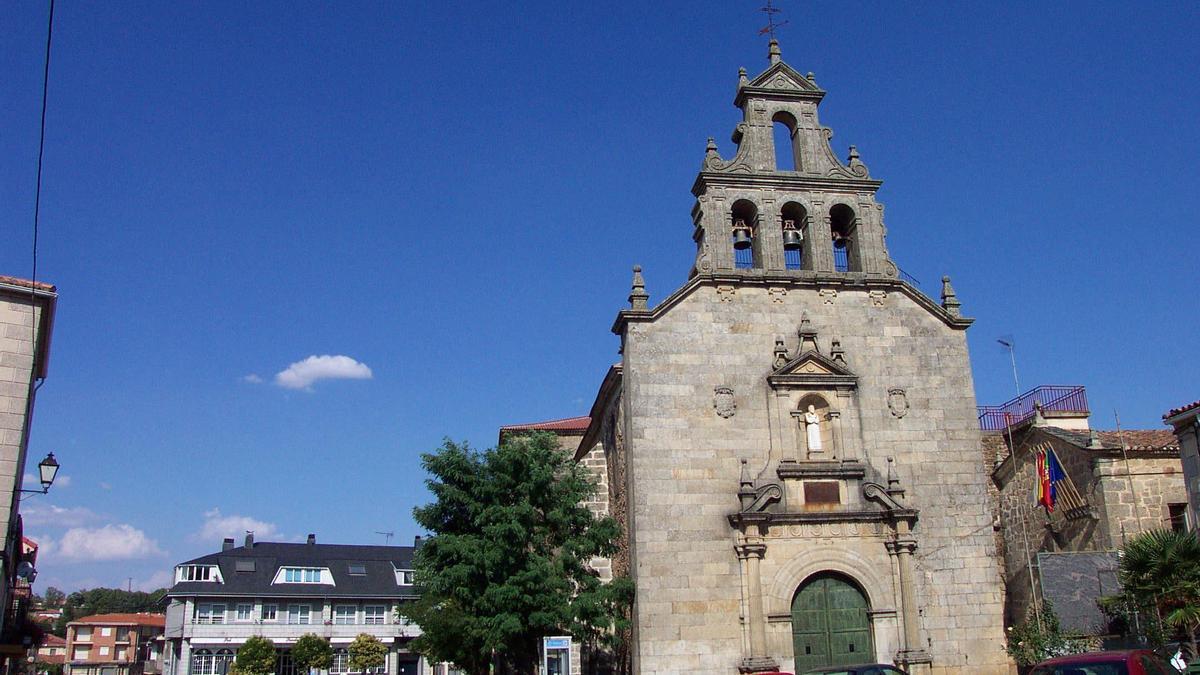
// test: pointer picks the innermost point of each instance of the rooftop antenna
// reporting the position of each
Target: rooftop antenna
(770, 10)
(387, 537)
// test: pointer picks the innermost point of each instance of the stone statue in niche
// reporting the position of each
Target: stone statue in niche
(812, 427)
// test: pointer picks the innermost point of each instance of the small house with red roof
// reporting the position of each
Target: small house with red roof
(115, 644)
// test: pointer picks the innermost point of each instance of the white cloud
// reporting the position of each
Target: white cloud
(160, 579)
(302, 374)
(252, 378)
(216, 527)
(110, 542)
(32, 482)
(57, 516)
(45, 544)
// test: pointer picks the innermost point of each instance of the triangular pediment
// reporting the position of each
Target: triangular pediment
(783, 77)
(813, 363)
(812, 369)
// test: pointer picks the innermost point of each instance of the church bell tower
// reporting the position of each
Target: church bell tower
(786, 211)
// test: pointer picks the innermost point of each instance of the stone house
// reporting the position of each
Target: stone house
(1185, 422)
(790, 438)
(1120, 483)
(26, 323)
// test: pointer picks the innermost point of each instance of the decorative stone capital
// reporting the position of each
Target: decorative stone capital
(902, 546)
(751, 551)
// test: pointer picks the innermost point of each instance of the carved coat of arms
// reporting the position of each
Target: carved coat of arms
(723, 401)
(898, 402)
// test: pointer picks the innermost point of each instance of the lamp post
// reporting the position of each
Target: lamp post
(47, 471)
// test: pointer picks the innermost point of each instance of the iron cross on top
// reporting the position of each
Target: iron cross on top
(771, 11)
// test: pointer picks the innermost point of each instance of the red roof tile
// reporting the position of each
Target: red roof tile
(51, 640)
(579, 424)
(138, 619)
(15, 281)
(1140, 439)
(1182, 409)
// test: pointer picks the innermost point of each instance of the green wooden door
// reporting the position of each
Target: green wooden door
(830, 625)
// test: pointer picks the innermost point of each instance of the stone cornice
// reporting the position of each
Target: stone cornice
(785, 182)
(821, 517)
(610, 385)
(811, 469)
(792, 279)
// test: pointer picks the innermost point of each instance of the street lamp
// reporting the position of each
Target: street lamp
(47, 470)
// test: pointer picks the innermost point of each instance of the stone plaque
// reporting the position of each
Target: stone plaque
(821, 492)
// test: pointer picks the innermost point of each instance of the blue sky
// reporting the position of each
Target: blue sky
(452, 195)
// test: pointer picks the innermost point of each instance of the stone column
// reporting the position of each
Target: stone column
(801, 431)
(835, 424)
(822, 240)
(769, 236)
(902, 547)
(752, 552)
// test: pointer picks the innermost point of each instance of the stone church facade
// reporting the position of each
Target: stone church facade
(790, 438)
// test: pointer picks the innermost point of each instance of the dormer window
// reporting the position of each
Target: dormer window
(198, 573)
(404, 577)
(303, 575)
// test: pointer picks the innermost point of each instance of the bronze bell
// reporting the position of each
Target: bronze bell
(791, 236)
(741, 235)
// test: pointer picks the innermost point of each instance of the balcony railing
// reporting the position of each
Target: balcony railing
(1051, 398)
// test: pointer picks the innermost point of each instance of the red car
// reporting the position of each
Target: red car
(1126, 662)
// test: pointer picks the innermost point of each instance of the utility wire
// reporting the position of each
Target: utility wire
(37, 212)
(37, 194)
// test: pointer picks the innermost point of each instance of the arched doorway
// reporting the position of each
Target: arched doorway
(830, 626)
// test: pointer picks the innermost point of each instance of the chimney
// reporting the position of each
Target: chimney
(227, 544)
(417, 541)
(312, 539)
(249, 539)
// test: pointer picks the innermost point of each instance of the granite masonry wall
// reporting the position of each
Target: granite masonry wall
(684, 463)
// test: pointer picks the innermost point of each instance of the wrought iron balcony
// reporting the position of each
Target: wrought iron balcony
(1051, 398)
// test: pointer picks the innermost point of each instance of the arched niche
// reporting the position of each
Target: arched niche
(743, 229)
(842, 225)
(825, 416)
(787, 151)
(794, 219)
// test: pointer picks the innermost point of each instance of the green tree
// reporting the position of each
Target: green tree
(256, 657)
(312, 651)
(366, 652)
(1037, 638)
(54, 597)
(1160, 569)
(507, 562)
(106, 601)
(46, 668)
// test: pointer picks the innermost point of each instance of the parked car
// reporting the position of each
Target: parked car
(863, 669)
(1124, 662)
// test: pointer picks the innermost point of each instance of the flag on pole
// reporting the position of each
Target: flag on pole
(1049, 474)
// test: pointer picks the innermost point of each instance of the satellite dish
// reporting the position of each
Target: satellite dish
(26, 571)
